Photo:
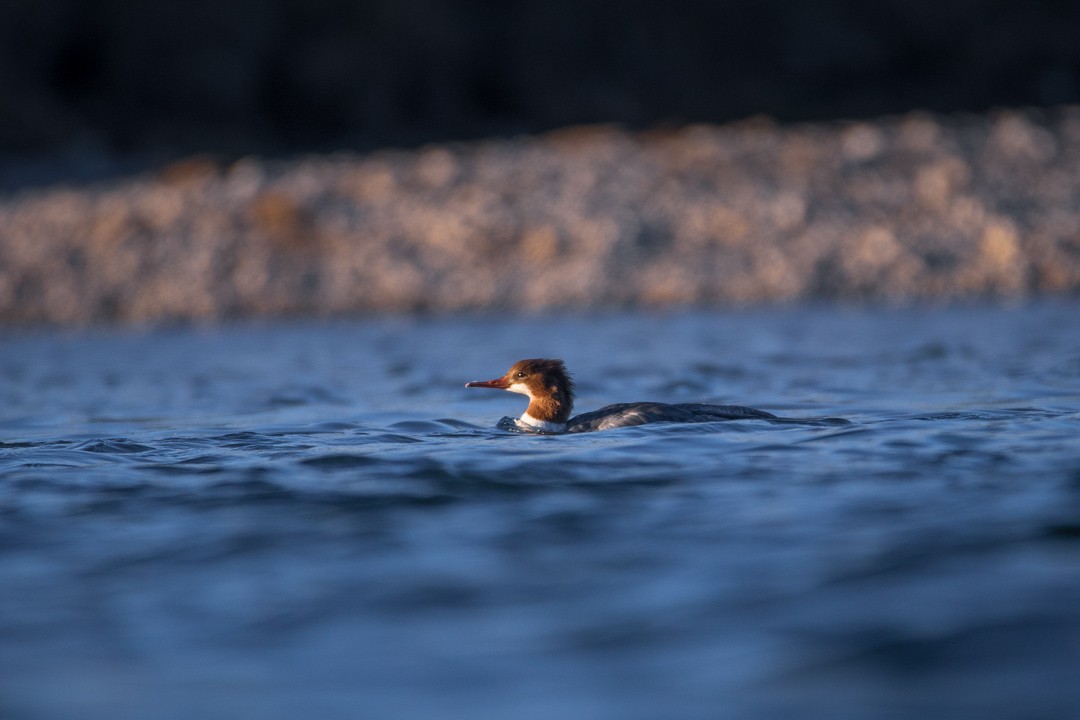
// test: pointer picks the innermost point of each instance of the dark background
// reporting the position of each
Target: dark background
(170, 77)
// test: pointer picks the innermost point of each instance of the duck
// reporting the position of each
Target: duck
(550, 389)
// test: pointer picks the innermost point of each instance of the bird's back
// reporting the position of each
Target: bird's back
(640, 413)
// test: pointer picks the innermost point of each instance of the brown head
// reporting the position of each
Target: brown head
(545, 382)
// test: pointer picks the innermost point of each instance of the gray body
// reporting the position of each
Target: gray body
(640, 413)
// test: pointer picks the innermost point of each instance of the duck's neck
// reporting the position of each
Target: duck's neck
(553, 406)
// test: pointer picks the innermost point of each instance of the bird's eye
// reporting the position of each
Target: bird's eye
(519, 375)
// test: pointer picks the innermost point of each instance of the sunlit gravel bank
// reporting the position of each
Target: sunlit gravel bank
(902, 209)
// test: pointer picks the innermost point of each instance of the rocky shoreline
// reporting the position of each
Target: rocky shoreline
(901, 209)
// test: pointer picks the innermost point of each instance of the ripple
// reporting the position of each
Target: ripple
(342, 461)
(120, 446)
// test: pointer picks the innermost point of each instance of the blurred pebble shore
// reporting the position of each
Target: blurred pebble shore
(902, 209)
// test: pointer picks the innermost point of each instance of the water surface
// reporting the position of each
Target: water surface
(317, 519)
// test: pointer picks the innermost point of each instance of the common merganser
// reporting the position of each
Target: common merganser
(551, 399)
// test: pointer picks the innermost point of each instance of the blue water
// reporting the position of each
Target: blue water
(318, 520)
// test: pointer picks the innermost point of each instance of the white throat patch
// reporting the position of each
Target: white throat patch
(521, 388)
